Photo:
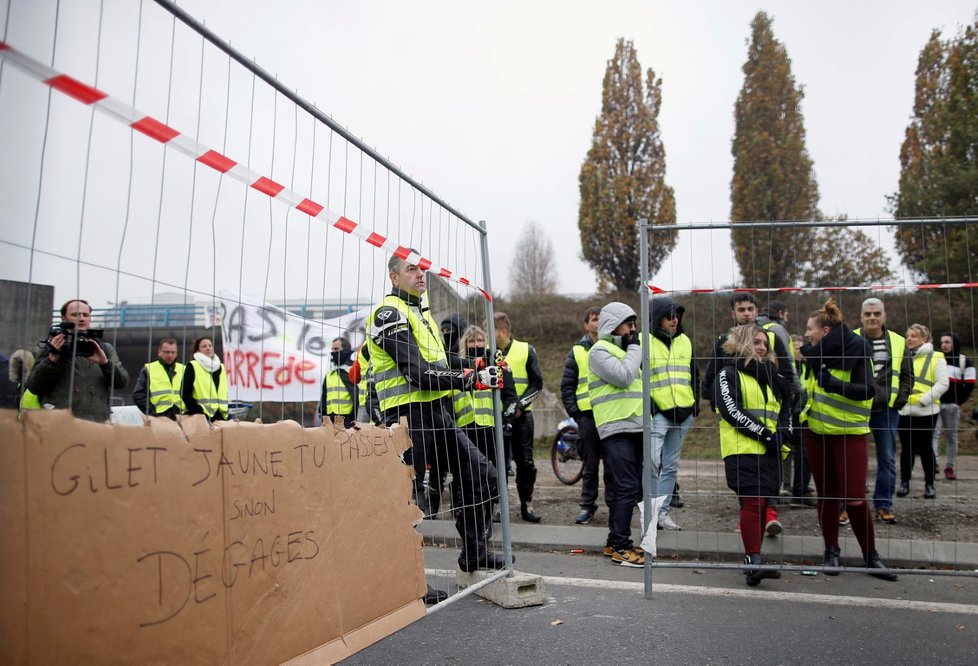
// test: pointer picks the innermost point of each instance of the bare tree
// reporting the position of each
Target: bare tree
(533, 269)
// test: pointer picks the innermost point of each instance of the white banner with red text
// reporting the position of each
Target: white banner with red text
(271, 355)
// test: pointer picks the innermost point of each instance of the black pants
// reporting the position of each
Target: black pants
(521, 443)
(916, 433)
(623, 484)
(589, 445)
(438, 442)
(801, 478)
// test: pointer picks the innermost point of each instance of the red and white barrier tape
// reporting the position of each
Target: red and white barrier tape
(168, 136)
(787, 290)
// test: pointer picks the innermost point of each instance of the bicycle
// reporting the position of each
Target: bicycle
(565, 456)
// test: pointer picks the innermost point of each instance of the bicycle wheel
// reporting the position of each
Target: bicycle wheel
(565, 457)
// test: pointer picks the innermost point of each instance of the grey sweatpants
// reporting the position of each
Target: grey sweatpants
(947, 422)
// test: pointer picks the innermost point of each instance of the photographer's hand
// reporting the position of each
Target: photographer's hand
(99, 355)
(55, 343)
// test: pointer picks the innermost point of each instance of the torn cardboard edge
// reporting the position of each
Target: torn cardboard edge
(178, 542)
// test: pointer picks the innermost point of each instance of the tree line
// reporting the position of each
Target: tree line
(623, 178)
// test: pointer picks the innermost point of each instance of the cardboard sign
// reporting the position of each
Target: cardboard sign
(245, 544)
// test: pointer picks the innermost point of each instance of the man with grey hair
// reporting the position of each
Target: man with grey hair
(893, 368)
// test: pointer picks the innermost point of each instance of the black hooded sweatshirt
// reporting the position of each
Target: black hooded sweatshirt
(841, 349)
(961, 375)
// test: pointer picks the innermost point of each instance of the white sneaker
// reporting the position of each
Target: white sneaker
(667, 523)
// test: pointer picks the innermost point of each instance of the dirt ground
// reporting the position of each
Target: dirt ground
(710, 506)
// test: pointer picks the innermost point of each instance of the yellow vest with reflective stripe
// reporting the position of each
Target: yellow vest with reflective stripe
(609, 402)
(833, 414)
(898, 345)
(393, 389)
(212, 400)
(163, 392)
(670, 374)
(517, 358)
(923, 376)
(582, 394)
(362, 386)
(338, 400)
(473, 408)
(29, 401)
(765, 411)
(771, 336)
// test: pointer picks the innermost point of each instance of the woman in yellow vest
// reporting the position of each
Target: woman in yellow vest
(754, 403)
(840, 399)
(919, 416)
(205, 386)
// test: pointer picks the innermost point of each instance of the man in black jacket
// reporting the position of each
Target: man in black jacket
(574, 395)
(413, 381)
(157, 390)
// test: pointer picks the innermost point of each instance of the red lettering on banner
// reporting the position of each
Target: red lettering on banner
(242, 369)
(266, 368)
(252, 362)
(305, 366)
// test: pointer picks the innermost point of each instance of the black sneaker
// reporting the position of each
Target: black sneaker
(585, 516)
(433, 596)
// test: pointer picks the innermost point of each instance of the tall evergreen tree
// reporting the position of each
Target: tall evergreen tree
(772, 175)
(939, 161)
(622, 179)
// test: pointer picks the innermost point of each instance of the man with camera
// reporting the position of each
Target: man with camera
(79, 371)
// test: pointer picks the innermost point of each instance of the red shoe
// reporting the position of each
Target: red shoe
(949, 474)
(772, 526)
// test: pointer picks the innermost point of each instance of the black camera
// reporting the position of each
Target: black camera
(78, 343)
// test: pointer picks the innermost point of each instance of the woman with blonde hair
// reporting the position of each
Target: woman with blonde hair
(919, 416)
(754, 403)
(840, 399)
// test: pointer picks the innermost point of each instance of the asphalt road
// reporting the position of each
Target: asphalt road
(596, 613)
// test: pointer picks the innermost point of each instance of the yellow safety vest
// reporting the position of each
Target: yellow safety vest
(212, 400)
(898, 345)
(474, 407)
(29, 401)
(771, 335)
(362, 386)
(833, 414)
(732, 441)
(609, 402)
(670, 374)
(338, 400)
(393, 389)
(923, 376)
(516, 359)
(164, 393)
(582, 394)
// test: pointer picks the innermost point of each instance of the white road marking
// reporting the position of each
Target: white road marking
(795, 597)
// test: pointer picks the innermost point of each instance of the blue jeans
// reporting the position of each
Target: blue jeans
(884, 427)
(667, 444)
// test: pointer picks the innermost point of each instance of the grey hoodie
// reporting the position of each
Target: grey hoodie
(606, 366)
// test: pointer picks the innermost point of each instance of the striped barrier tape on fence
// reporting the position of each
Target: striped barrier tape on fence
(168, 136)
(787, 290)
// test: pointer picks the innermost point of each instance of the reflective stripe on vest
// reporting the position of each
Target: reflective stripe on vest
(924, 373)
(393, 389)
(732, 441)
(517, 358)
(609, 402)
(163, 392)
(670, 373)
(338, 400)
(898, 346)
(212, 400)
(833, 414)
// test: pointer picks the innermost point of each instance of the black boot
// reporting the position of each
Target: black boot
(873, 561)
(832, 559)
(433, 596)
(527, 513)
(755, 576)
(929, 492)
(903, 489)
(486, 560)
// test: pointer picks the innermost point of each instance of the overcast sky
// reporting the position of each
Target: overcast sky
(492, 105)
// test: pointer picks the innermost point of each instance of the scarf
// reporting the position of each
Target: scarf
(210, 364)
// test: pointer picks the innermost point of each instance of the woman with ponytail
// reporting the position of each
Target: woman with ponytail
(840, 398)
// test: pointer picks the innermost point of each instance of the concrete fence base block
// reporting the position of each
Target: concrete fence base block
(518, 591)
